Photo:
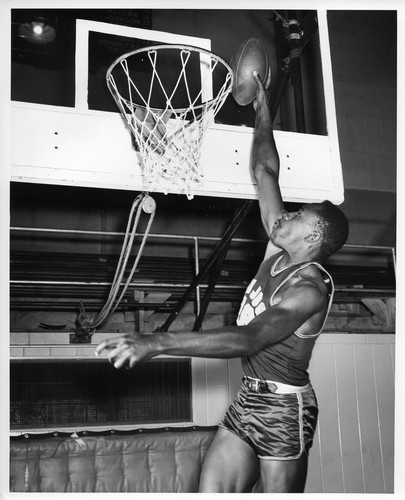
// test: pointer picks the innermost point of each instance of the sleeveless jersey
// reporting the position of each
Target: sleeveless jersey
(286, 361)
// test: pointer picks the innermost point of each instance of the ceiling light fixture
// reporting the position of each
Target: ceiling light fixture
(39, 30)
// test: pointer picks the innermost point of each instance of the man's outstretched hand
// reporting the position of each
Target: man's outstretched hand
(262, 88)
(127, 350)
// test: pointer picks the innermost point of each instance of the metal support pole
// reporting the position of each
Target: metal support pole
(276, 98)
(394, 260)
(299, 35)
(208, 263)
(211, 287)
(197, 270)
(294, 39)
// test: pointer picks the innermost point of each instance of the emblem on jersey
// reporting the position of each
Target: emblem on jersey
(252, 304)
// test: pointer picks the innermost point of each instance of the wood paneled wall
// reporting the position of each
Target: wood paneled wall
(353, 452)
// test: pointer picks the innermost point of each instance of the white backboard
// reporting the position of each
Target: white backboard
(79, 146)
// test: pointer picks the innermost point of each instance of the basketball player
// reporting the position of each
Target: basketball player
(268, 430)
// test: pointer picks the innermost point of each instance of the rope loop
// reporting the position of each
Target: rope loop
(143, 202)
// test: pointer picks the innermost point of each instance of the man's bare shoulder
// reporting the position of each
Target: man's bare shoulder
(306, 291)
(312, 276)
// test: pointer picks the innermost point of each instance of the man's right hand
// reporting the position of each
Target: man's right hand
(262, 88)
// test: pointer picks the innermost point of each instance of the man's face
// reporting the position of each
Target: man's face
(293, 227)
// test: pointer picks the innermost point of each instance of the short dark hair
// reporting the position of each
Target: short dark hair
(333, 225)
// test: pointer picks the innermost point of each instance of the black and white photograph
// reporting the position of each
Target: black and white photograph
(199, 266)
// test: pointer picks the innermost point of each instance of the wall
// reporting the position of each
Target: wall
(364, 60)
(353, 376)
(355, 448)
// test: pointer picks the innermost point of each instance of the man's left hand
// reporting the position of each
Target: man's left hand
(127, 350)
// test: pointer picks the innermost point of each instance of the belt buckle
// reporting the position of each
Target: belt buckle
(252, 383)
(255, 385)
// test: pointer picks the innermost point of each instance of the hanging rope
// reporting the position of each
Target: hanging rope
(148, 205)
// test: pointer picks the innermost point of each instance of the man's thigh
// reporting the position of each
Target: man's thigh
(230, 465)
(284, 476)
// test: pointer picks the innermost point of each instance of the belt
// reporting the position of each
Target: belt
(265, 386)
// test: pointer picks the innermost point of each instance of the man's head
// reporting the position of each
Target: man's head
(316, 231)
(333, 225)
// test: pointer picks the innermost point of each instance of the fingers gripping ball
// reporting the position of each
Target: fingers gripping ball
(250, 56)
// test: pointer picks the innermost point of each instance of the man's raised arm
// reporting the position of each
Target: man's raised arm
(265, 160)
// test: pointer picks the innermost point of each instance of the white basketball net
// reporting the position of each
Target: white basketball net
(170, 139)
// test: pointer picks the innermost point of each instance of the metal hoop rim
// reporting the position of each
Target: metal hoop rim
(169, 46)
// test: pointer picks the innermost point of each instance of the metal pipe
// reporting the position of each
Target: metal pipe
(112, 233)
(294, 39)
(178, 236)
(197, 270)
(239, 216)
(211, 287)
(367, 247)
(102, 283)
(175, 285)
(394, 259)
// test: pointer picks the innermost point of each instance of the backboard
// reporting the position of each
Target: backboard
(85, 146)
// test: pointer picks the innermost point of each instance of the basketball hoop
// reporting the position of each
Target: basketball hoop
(169, 96)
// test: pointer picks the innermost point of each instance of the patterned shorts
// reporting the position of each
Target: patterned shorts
(276, 426)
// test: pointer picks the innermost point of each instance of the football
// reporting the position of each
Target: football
(249, 56)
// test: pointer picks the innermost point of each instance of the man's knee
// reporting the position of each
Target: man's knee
(226, 484)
